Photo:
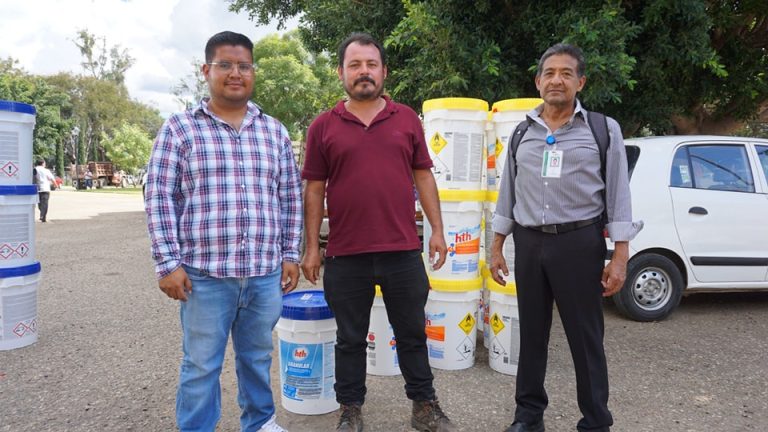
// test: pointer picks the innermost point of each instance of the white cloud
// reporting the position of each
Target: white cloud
(163, 36)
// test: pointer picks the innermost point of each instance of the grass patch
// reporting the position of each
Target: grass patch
(114, 190)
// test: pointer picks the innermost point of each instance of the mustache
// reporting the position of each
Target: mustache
(365, 79)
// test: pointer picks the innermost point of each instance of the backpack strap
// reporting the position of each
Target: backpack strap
(598, 123)
(517, 136)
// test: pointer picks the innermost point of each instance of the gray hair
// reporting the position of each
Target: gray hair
(567, 49)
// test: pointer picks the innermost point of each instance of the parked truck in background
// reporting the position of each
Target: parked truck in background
(103, 173)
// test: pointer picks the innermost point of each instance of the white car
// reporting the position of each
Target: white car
(704, 201)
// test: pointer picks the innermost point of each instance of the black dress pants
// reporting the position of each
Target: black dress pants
(349, 284)
(567, 269)
(42, 205)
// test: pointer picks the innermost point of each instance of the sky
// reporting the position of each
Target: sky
(163, 36)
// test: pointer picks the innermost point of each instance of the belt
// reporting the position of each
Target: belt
(565, 227)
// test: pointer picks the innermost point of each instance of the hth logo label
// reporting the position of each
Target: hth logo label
(463, 237)
(300, 353)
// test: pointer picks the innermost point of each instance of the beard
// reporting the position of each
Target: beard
(364, 93)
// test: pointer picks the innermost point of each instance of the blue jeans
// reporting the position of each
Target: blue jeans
(248, 308)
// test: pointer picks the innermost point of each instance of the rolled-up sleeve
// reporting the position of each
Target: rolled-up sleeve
(618, 198)
(160, 206)
(289, 191)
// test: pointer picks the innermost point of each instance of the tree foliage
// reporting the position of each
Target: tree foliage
(96, 104)
(686, 66)
(51, 127)
(128, 148)
(108, 64)
(292, 84)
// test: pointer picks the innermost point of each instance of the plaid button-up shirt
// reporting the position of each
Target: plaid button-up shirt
(224, 201)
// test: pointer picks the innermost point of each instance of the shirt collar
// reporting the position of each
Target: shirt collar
(390, 107)
(536, 112)
(252, 112)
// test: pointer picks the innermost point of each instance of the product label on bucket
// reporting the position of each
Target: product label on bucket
(307, 370)
(464, 241)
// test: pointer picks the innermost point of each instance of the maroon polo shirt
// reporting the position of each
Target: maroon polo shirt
(369, 173)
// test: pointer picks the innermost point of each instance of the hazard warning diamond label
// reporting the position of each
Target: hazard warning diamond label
(10, 169)
(437, 143)
(496, 324)
(22, 250)
(467, 324)
(6, 251)
(499, 148)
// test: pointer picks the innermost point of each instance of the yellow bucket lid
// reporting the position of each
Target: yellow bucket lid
(456, 285)
(454, 103)
(491, 196)
(519, 104)
(510, 288)
(461, 195)
(378, 290)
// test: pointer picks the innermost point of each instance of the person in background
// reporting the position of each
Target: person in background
(88, 179)
(45, 180)
(224, 213)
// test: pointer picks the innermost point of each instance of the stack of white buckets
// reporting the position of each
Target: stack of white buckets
(459, 132)
(19, 271)
(455, 134)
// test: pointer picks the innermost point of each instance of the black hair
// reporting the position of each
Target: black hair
(39, 162)
(361, 39)
(226, 38)
(567, 49)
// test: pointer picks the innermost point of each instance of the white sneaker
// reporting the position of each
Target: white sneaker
(272, 426)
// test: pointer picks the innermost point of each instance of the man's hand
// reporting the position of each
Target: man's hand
(437, 245)
(498, 263)
(290, 277)
(176, 284)
(615, 272)
(310, 265)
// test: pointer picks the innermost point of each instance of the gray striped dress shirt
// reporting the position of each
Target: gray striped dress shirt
(527, 198)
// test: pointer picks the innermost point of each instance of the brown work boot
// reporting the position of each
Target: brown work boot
(351, 419)
(427, 416)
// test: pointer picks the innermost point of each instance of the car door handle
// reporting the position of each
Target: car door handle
(698, 210)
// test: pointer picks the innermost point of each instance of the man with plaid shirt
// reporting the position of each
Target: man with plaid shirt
(223, 201)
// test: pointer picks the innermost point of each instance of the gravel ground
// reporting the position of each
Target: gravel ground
(109, 349)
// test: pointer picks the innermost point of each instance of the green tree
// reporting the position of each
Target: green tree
(292, 84)
(128, 148)
(688, 66)
(109, 64)
(51, 128)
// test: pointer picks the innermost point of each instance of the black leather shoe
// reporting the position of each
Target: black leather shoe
(523, 427)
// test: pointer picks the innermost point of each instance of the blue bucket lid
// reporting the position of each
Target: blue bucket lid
(20, 271)
(18, 190)
(306, 306)
(19, 107)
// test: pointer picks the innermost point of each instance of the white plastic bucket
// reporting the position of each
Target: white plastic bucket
(509, 243)
(307, 333)
(382, 352)
(17, 225)
(504, 319)
(18, 306)
(17, 122)
(506, 115)
(455, 132)
(462, 214)
(451, 314)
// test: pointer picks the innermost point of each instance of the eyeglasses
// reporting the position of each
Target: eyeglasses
(225, 66)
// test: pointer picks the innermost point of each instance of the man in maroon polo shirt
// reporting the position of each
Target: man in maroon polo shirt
(367, 153)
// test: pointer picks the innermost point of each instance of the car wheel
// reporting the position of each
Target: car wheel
(652, 290)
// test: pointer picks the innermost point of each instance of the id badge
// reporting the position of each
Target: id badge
(552, 163)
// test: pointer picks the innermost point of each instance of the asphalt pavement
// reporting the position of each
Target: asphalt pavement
(109, 349)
